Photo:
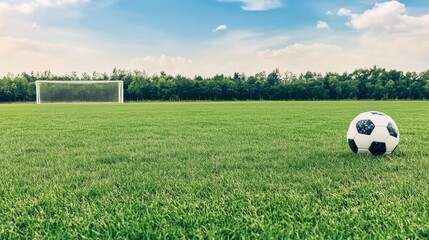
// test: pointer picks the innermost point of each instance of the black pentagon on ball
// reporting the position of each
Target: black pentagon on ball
(377, 148)
(392, 131)
(353, 145)
(365, 127)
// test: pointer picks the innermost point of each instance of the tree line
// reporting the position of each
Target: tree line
(366, 83)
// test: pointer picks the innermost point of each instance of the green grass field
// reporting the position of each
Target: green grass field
(209, 170)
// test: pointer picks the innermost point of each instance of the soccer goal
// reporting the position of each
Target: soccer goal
(79, 91)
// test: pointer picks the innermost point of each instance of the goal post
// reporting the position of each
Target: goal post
(79, 91)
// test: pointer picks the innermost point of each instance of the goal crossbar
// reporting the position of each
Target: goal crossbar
(120, 87)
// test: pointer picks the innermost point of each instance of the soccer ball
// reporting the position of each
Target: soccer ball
(373, 132)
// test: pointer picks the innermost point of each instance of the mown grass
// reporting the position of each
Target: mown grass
(209, 170)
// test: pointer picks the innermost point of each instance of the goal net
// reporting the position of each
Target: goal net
(79, 91)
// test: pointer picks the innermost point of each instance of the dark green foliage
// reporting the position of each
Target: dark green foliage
(373, 83)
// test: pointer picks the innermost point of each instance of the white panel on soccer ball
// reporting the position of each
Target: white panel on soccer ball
(379, 127)
(380, 134)
(363, 141)
(365, 115)
(351, 133)
(390, 119)
(391, 143)
(380, 121)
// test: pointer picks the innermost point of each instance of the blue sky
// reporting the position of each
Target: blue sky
(207, 37)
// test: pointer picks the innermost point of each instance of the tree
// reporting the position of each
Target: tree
(372, 83)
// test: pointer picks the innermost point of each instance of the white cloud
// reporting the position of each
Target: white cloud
(389, 16)
(29, 6)
(34, 25)
(329, 13)
(319, 57)
(257, 5)
(322, 25)
(21, 18)
(403, 46)
(382, 15)
(396, 40)
(24, 54)
(391, 38)
(344, 12)
(220, 28)
(236, 51)
(171, 65)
